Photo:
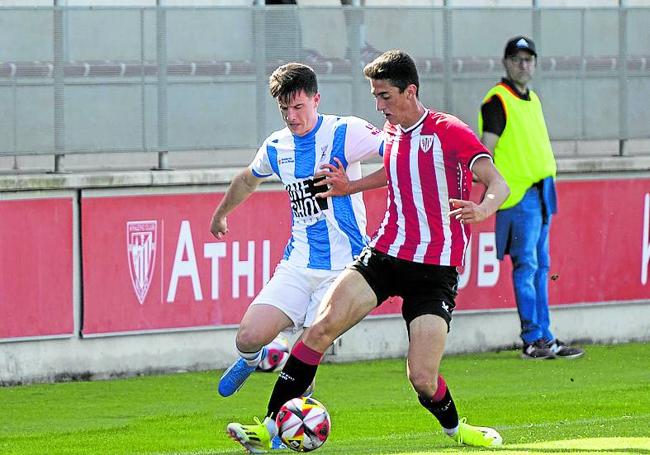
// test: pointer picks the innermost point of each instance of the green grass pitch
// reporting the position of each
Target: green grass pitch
(596, 405)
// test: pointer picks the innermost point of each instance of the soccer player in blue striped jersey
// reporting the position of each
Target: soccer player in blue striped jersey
(326, 233)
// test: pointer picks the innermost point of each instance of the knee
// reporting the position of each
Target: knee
(321, 335)
(527, 262)
(249, 340)
(424, 383)
(524, 270)
(543, 264)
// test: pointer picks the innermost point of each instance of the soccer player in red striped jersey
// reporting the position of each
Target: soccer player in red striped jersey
(429, 158)
(427, 163)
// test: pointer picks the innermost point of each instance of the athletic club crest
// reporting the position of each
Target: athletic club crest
(426, 142)
(141, 252)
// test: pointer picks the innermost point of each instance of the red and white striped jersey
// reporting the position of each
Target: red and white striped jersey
(426, 165)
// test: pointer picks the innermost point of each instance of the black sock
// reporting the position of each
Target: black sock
(294, 379)
(444, 410)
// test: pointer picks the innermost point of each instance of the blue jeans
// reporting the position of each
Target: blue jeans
(522, 233)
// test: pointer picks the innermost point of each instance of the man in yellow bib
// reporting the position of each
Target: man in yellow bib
(512, 126)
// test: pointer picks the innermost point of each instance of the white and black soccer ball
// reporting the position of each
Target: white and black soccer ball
(277, 354)
(303, 424)
(274, 360)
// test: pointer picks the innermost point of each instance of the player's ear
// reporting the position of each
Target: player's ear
(411, 91)
(317, 99)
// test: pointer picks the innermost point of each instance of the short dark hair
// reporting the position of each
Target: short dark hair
(395, 66)
(288, 80)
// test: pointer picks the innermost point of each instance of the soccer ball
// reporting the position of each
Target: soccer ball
(277, 354)
(303, 424)
(274, 360)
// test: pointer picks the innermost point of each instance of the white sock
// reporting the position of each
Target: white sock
(451, 431)
(271, 426)
(252, 358)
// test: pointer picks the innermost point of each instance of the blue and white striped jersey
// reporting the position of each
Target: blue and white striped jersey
(327, 233)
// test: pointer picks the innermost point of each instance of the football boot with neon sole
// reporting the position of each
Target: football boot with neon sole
(254, 438)
(470, 435)
(234, 377)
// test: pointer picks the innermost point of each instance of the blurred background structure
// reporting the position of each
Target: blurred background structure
(135, 84)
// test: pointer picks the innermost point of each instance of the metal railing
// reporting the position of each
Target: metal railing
(85, 80)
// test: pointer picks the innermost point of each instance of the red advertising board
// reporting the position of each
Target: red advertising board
(150, 262)
(36, 268)
(599, 245)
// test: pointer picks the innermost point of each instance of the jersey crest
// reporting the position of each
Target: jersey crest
(426, 141)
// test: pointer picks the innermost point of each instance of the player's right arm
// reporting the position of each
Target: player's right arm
(242, 186)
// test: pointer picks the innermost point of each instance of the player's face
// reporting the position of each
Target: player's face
(395, 105)
(520, 68)
(300, 113)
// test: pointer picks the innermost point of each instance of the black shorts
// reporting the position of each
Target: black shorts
(424, 288)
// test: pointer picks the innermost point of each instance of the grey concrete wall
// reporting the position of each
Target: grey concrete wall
(373, 338)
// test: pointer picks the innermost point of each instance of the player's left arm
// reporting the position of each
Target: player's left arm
(468, 212)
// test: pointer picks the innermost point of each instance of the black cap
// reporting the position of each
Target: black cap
(519, 43)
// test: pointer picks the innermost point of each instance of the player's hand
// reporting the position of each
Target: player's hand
(219, 226)
(467, 212)
(336, 179)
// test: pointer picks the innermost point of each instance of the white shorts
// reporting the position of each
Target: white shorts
(297, 292)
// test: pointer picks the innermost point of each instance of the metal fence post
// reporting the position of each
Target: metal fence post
(59, 88)
(583, 77)
(161, 56)
(14, 117)
(259, 54)
(447, 98)
(354, 16)
(622, 78)
(536, 22)
(143, 87)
